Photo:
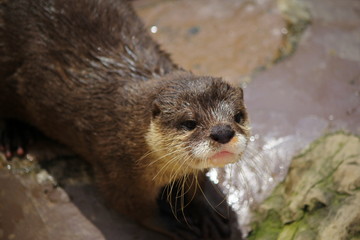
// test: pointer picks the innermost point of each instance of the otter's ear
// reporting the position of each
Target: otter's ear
(155, 110)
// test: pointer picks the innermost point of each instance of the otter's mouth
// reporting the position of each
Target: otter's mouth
(222, 158)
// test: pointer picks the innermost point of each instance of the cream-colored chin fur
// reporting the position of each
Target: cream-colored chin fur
(168, 159)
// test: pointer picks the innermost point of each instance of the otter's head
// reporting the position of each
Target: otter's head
(198, 123)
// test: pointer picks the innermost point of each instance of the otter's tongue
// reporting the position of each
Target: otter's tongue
(222, 158)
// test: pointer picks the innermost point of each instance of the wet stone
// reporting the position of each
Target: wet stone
(222, 38)
(314, 203)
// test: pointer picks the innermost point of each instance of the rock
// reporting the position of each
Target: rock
(31, 210)
(229, 38)
(320, 197)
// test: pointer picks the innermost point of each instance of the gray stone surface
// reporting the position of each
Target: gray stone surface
(228, 38)
(29, 210)
(314, 91)
(34, 207)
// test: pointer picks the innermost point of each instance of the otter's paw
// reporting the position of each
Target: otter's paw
(183, 232)
(204, 224)
(180, 229)
(211, 223)
(210, 213)
(201, 221)
(15, 138)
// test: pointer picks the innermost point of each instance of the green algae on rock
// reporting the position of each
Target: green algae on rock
(297, 16)
(320, 197)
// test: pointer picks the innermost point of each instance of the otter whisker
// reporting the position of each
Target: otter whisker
(207, 200)
(166, 165)
(256, 158)
(218, 191)
(248, 193)
(174, 159)
(169, 188)
(185, 173)
(173, 207)
(160, 149)
(163, 156)
(182, 200)
(194, 193)
(174, 176)
(180, 187)
(171, 152)
(148, 153)
(188, 187)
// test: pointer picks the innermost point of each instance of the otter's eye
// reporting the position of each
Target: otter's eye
(189, 125)
(239, 117)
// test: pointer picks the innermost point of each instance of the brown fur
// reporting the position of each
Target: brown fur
(87, 74)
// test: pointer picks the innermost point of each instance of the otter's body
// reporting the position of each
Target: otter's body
(87, 75)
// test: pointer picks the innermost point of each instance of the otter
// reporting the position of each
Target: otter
(87, 75)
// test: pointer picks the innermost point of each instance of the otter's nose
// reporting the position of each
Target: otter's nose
(222, 133)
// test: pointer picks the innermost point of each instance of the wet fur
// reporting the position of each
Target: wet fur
(86, 74)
